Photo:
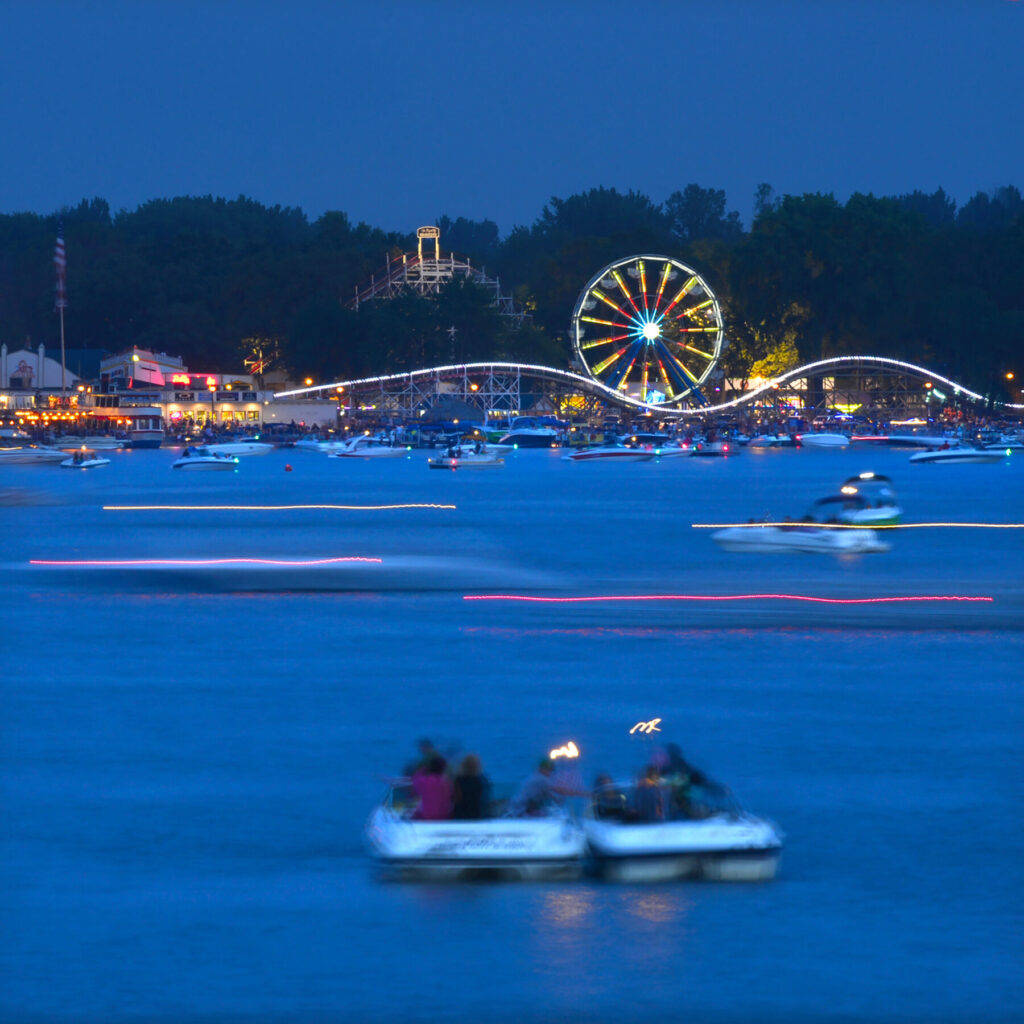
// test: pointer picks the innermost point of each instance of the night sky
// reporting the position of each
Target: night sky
(397, 112)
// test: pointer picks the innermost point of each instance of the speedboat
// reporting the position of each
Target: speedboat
(531, 848)
(240, 448)
(203, 459)
(774, 441)
(867, 499)
(30, 454)
(611, 453)
(798, 537)
(85, 459)
(823, 440)
(699, 833)
(712, 449)
(477, 457)
(901, 440)
(962, 453)
(314, 444)
(366, 447)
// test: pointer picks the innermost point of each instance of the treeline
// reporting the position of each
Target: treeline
(910, 276)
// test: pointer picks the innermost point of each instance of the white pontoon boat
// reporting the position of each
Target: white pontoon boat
(798, 537)
(962, 453)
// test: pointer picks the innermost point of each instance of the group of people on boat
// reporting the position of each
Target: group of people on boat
(663, 791)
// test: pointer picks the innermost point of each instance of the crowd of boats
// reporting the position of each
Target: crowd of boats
(477, 448)
(672, 822)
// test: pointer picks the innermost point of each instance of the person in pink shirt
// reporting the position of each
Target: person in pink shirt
(434, 789)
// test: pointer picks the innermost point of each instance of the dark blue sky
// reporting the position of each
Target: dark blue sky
(397, 112)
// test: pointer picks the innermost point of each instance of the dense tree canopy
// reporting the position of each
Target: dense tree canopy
(908, 276)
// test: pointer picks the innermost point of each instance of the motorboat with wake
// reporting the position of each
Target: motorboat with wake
(546, 847)
(867, 499)
(612, 453)
(823, 440)
(202, 458)
(663, 829)
(961, 453)
(478, 456)
(806, 536)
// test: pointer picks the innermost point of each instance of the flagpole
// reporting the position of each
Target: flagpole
(63, 387)
(60, 263)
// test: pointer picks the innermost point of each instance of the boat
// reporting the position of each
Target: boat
(366, 447)
(698, 832)
(30, 454)
(774, 441)
(202, 458)
(85, 459)
(900, 440)
(457, 457)
(546, 847)
(94, 442)
(674, 449)
(526, 432)
(314, 444)
(715, 449)
(798, 537)
(961, 453)
(867, 499)
(240, 448)
(823, 440)
(612, 453)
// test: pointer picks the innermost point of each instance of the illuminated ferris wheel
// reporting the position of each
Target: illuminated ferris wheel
(650, 327)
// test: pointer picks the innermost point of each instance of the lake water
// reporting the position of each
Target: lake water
(188, 761)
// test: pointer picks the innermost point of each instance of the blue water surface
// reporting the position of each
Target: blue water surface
(188, 760)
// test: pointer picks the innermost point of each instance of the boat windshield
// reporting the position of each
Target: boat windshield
(672, 799)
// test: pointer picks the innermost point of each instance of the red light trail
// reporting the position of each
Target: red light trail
(915, 598)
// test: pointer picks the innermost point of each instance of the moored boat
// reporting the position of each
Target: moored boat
(30, 454)
(823, 440)
(961, 453)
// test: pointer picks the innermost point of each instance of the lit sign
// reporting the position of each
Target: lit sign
(646, 727)
(569, 750)
(181, 378)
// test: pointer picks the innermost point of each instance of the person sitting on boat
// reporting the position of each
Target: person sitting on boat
(471, 794)
(427, 752)
(434, 790)
(539, 792)
(608, 801)
(648, 804)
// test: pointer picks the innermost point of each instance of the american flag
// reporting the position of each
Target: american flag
(60, 261)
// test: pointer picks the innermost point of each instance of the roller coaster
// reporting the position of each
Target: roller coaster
(499, 387)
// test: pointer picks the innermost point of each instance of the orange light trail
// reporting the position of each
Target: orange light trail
(723, 597)
(263, 508)
(114, 563)
(862, 526)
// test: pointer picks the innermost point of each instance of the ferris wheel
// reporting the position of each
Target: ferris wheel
(649, 326)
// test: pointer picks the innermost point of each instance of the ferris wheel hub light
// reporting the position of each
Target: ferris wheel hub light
(651, 331)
